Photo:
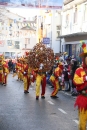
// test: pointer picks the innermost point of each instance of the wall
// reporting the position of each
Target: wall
(50, 29)
(69, 27)
(56, 21)
(5, 48)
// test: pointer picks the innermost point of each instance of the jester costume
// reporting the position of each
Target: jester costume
(5, 73)
(54, 79)
(40, 81)
(27, 71)
(1, 69)
(80, 80)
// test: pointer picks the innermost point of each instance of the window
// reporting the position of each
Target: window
(75, 15)
(9, 42)
(85, 12)
(27, 40)
(25, 46)
(58, 29)
(67, 19)
(17, 45)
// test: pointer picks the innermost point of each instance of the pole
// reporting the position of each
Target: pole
(60, 44)
(51, 31)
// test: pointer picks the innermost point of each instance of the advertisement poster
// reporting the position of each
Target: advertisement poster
(53, 4)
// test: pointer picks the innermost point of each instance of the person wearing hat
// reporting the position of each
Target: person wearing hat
(54, 79)
(80, 81)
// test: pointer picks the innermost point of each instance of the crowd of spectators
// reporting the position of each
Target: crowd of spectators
(66, 80)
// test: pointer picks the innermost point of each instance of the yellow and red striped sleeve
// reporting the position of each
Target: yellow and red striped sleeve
(79, 77)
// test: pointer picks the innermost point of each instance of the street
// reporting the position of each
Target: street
(19, 111)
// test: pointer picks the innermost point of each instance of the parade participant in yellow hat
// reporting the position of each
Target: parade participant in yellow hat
(80, 81)
(54, 79)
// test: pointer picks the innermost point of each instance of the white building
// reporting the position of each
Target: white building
(50, 20)
(16, 34)
(74, 26)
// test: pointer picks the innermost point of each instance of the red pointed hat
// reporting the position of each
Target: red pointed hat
(84, 49)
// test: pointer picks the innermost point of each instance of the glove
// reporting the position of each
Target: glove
(31, 76)
(60, 78)
(86, 78)
(24, 72)
(68, 73)
(5, 74)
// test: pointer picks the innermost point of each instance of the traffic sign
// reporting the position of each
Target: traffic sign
(46, 40)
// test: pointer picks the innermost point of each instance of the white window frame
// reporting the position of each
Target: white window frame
(85, 14)
(58, 30)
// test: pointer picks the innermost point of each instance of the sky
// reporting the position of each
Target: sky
(26, 12)
(35, 2)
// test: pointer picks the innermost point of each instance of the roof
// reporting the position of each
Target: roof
(67, 1)
(73, 35)
(6, 14)
(28, 28)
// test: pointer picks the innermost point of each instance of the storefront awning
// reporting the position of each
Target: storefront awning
(74, 35)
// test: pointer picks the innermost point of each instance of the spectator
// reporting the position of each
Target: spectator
(66, 79)
(10, 65)
(74, 67)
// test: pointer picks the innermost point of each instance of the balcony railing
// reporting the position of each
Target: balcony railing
(67, 1)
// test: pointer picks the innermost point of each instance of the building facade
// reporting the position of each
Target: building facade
(49, 26)
(74, 26)
(16, 34)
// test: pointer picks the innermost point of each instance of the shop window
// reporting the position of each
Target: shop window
(75, 15)
(58, 29)
(85, 12)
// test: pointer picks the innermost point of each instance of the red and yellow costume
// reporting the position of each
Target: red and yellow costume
(5, 73)
(21, 69)
(1, 69)
(43, 84)
(40, 81)
(54, 79)
(26, 77)
(17, 69)
(80, 80)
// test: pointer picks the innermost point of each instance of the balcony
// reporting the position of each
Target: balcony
(67, 1)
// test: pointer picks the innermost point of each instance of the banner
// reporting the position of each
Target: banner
(53, 4)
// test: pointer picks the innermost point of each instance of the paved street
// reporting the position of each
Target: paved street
(19, 111)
